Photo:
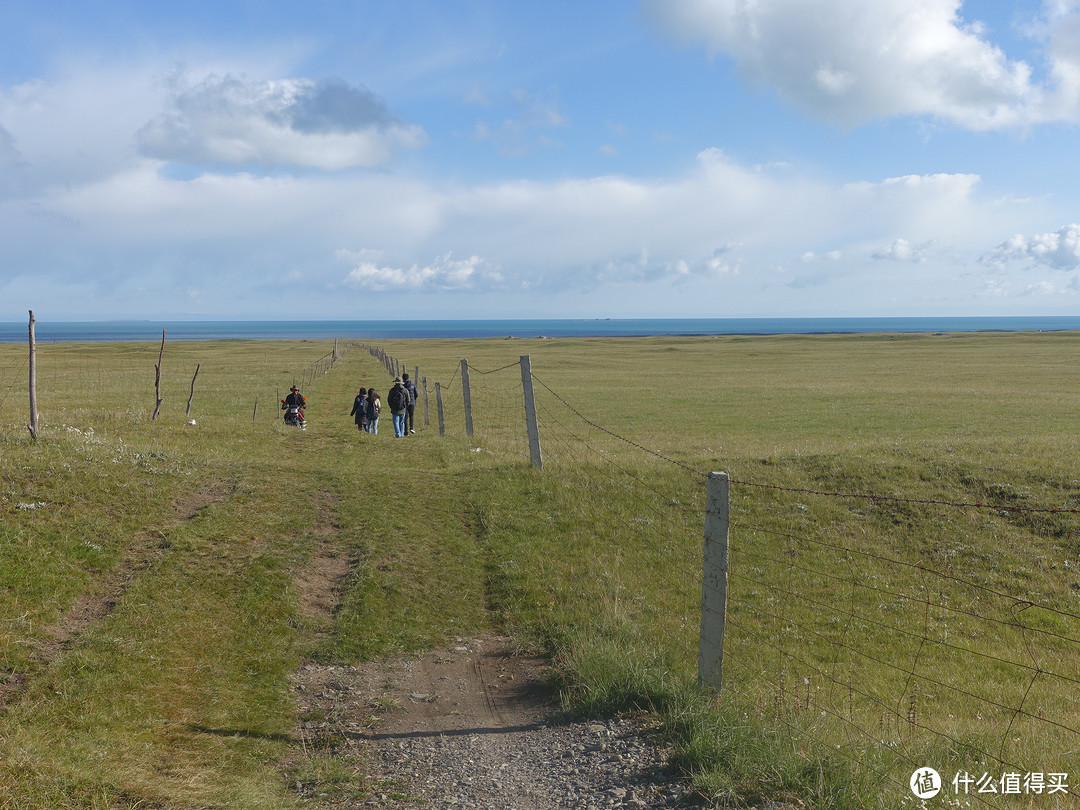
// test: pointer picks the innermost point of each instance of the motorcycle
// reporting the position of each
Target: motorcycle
(294, 416)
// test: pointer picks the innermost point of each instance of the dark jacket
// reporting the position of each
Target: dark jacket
(414, 395)
(398, 399)
(359, 410)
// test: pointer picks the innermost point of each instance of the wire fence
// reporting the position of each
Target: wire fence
(92, 384)
(884, 630)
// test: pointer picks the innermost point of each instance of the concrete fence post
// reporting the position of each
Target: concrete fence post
(714, 581)
(427, 421)
(466, 395)
(33, 426)
(438, 405)
(530, 413)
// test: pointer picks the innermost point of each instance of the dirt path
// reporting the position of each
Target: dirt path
(468, 725)
(95, 606)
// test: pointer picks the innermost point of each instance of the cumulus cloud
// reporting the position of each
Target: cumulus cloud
(901, 250)
(886, 58)
(444, 273)
(226, 120)
(829, 256)
(1059, 250)
(644, 267)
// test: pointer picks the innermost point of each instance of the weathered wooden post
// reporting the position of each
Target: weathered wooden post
(714, 582)
(191, 396)
(466, 395)
(530, 413)
(157, 380)
(255, 410)
(33, 426)
(426, 420)
(438, 405)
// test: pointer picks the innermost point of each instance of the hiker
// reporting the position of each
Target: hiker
(373, 408)
(359, 410)
(398, 400)
(414, 396)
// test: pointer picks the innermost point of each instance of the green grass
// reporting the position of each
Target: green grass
(849, 660)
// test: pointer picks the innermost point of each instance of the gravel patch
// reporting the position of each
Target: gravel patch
(469, 726)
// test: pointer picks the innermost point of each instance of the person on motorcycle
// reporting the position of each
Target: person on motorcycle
(295, 400)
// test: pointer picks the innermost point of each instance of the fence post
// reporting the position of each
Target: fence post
(530, 412)
(438, 404)
(191, 396)
(157, 380)
(467, 397)
(714, 582)
(426, 420)
(33, 426)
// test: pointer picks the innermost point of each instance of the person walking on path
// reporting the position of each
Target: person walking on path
(359, 410)
(414, 396)
(373, 408)
(398, 400)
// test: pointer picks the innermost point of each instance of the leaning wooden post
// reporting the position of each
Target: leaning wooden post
(33, 426)
(530, 413)
(467, 397)
(191, 396)
(426, 420)
(438, 405)
(255, 410)
(157, 379)
(714, 582)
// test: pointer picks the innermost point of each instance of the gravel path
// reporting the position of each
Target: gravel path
(578, 765)
(471, 726)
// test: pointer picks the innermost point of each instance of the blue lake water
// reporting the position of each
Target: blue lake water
(74, 331)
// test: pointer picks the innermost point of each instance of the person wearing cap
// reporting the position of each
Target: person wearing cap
(398, 399)
(414, 395)
(294, 400)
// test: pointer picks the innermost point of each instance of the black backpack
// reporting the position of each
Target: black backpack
(398, 398)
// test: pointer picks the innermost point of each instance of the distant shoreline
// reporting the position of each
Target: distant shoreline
(134, 331)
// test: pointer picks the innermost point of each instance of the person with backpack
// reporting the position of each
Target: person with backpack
(359, 410)
(373, 408)
(414, 397)
(398, 400)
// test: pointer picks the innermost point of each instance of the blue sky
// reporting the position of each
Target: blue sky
(664, 158)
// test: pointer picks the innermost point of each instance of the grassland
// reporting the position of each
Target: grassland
(149, 606)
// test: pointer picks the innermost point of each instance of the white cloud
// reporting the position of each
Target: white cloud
(901, 250)
(225, 120)
(829, 256)
(1059, 250)
(851, 61)
(254, 244)
(444, 273)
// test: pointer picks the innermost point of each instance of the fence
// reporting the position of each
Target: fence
(136, 381)
(894, 658)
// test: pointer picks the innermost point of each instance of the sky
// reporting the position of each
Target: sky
(494, 159)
